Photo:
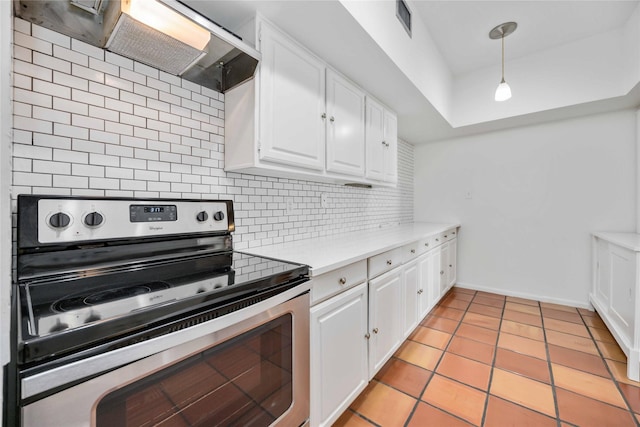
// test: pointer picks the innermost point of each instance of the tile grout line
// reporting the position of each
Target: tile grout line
(611, 375)
(551, 377)
(433, 373)
(493, 364)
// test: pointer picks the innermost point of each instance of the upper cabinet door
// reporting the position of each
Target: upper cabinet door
(345, 126)
(375, 140)
(292, 88)
(391, 147)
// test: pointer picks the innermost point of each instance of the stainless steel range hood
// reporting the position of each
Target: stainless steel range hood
(220, 63)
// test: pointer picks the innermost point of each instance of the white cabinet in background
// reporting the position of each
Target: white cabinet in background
(381, 143)
(345, 126)
(385, 318)
(298, 118)
(615, 296)
(339, 355)
(292, 83)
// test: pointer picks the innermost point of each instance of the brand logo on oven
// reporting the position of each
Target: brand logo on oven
(153, 228)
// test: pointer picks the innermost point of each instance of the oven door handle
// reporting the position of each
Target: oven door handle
(215, 330)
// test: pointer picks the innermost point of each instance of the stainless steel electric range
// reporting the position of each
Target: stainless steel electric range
(140, 313)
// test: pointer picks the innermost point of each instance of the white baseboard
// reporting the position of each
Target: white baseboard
(541, 298)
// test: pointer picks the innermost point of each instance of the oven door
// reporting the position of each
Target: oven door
(254, 372)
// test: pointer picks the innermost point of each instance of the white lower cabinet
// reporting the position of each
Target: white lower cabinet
(615, 296)
(339, 369)
(385, 318)
(356, 331)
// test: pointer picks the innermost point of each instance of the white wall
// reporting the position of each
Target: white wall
(535, 195)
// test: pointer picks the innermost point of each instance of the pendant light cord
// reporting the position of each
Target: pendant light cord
(502, 57)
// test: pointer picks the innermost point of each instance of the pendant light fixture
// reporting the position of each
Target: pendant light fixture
(503, 92)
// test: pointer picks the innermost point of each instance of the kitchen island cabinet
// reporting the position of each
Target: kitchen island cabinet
(614, 294)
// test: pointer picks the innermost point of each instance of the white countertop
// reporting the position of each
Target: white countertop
(626, 240)
(328, 253)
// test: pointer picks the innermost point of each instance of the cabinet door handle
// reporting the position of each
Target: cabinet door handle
(375, 330)
(332, 119)
(450, 265)
(413, 251)
(367, 335)
(324, 115)
(445, 236)
(343, 280)
(441, 272)
(389, 262)
(437, 240)
(419, 291)
(453, 232)
(426, 244)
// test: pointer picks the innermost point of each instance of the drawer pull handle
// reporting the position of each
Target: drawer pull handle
(441, 272)
(450, 265)
(367, 335)
(420, 291)
(445, 236)
(437, 240)
(413, 251)
(375, 330)
(426, 244)
(453, 232)
(389, 262)
(343, 280)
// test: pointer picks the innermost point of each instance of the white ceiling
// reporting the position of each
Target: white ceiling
(460, 31)
(461, 28)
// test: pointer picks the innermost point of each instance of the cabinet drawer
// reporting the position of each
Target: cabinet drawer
(384, 262)
(336, 281)
(412, 251)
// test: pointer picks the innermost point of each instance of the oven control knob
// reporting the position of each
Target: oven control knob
(59, 220)
(218, 216)
(93, 219)
(202, 216)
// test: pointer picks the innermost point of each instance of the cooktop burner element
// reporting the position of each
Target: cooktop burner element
(81, 301)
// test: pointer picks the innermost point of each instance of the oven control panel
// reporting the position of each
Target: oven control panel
(61, 220)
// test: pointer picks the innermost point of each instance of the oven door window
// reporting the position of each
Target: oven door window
(245, 381)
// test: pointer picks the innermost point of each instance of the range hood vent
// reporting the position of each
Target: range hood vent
(189, 45)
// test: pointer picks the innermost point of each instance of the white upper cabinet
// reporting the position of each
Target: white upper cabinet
(292, 128)
(345, 126)
(381, 143)
(301, 119)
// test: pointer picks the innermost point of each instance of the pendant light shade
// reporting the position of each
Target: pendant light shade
(503, 92)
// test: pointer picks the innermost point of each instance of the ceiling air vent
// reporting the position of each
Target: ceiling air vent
(404, 15)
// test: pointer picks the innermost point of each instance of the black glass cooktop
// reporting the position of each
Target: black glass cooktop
(98, 304)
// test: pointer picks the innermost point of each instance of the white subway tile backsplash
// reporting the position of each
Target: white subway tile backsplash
(24, 54)
(21, 26)
(70, 55)
(104, 90)
(51, 114)
(51, 36)
(70, 131)
(87, 49)
(59, 168)
(118, 60)
(33, 43)
(60, 155)
(103, 66)
(68, 181)
(87, 73)
(32, 70)
(146, 133)
(140, 153)
(118, 83)
(70, 106)
(35, 125)
(53, 89)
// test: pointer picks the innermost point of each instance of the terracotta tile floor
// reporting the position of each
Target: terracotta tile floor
(481, 359)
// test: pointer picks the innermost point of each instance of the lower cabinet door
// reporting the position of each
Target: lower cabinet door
(339, 368)
(410, 296)
(385, 318)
